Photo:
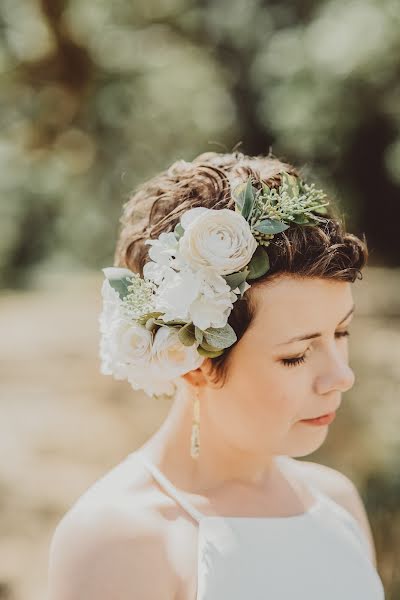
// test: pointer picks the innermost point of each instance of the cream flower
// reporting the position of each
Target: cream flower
(202, 297)
(169, 359)
(220, 239)
(123, 344)
(130, 342)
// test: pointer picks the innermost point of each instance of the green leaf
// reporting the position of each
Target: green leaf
(271, 226)
(241, 288)
(301, 219)
(173, 322)
(322, 210)
(151, 315)
(249, 198)
(238, 195)
(209, 354)
(266, 189)
(178, 231)
(235, 279)
(186, 334)
(220, 337)
(292, 183)
(121, 286)
(259, 263)
(198, 333)
(209, 347)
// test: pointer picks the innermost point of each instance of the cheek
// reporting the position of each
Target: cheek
(263, 390)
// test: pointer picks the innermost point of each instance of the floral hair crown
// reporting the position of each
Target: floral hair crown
(157, 327)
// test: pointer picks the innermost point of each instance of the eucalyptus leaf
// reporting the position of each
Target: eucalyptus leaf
(208, 347)
(242, 288)
(238, 195)
(186, 334)
(271, 226)
(174, 322)
(121, 286)
(249, 198)
(178, 230)
(209, 354)
(220, 337)
(235, 279)
(198, 333)
(259, 263)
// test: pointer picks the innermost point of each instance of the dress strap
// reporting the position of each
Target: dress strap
(168, 486)
(345, 515)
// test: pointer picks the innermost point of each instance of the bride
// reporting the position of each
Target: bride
(231, 293)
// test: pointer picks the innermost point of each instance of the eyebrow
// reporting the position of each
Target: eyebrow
(309, 336)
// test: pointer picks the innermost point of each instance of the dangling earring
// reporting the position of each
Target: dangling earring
(195, 437)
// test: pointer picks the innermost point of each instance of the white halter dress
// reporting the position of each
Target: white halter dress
(321, 554)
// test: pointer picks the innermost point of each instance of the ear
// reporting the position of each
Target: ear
(198, 377)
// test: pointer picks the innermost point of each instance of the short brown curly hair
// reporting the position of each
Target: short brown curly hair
(323, 251)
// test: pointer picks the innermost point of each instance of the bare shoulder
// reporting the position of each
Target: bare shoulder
(111, 542)
(340, 488)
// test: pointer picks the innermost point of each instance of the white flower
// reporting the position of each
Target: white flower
(111, 305)
(123, 344)
(213, 305)
(152, 387)
(130, 351)
(130, 342)
(202, 297)
(220, 239)
(176, 293)
(169, 360)
(163, 248)
(164, 254)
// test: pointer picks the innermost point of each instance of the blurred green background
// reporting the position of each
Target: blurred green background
(97, 96)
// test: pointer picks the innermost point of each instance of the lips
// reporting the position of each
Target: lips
(324, 415)
(319, 416)
(323, 420)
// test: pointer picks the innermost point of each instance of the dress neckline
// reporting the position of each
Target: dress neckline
(249, 519)
(200, 517)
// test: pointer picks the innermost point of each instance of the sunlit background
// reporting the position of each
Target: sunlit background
(95, 97)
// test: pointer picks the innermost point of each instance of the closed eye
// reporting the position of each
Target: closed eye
(290, 362)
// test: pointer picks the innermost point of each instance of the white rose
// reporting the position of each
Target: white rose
(170, 357)
(220, 239)
(130, 342)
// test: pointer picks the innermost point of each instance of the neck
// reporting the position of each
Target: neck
(220, 462)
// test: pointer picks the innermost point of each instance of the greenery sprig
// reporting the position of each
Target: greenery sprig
(270, 211)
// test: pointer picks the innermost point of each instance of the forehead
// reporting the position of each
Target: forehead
(290, 305)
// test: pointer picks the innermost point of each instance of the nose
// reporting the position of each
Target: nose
(337, 375)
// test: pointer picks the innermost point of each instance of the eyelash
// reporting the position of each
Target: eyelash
(292, 362)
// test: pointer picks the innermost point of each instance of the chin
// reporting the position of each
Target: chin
(308, 444)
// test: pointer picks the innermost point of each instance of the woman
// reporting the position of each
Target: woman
(244, 320)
